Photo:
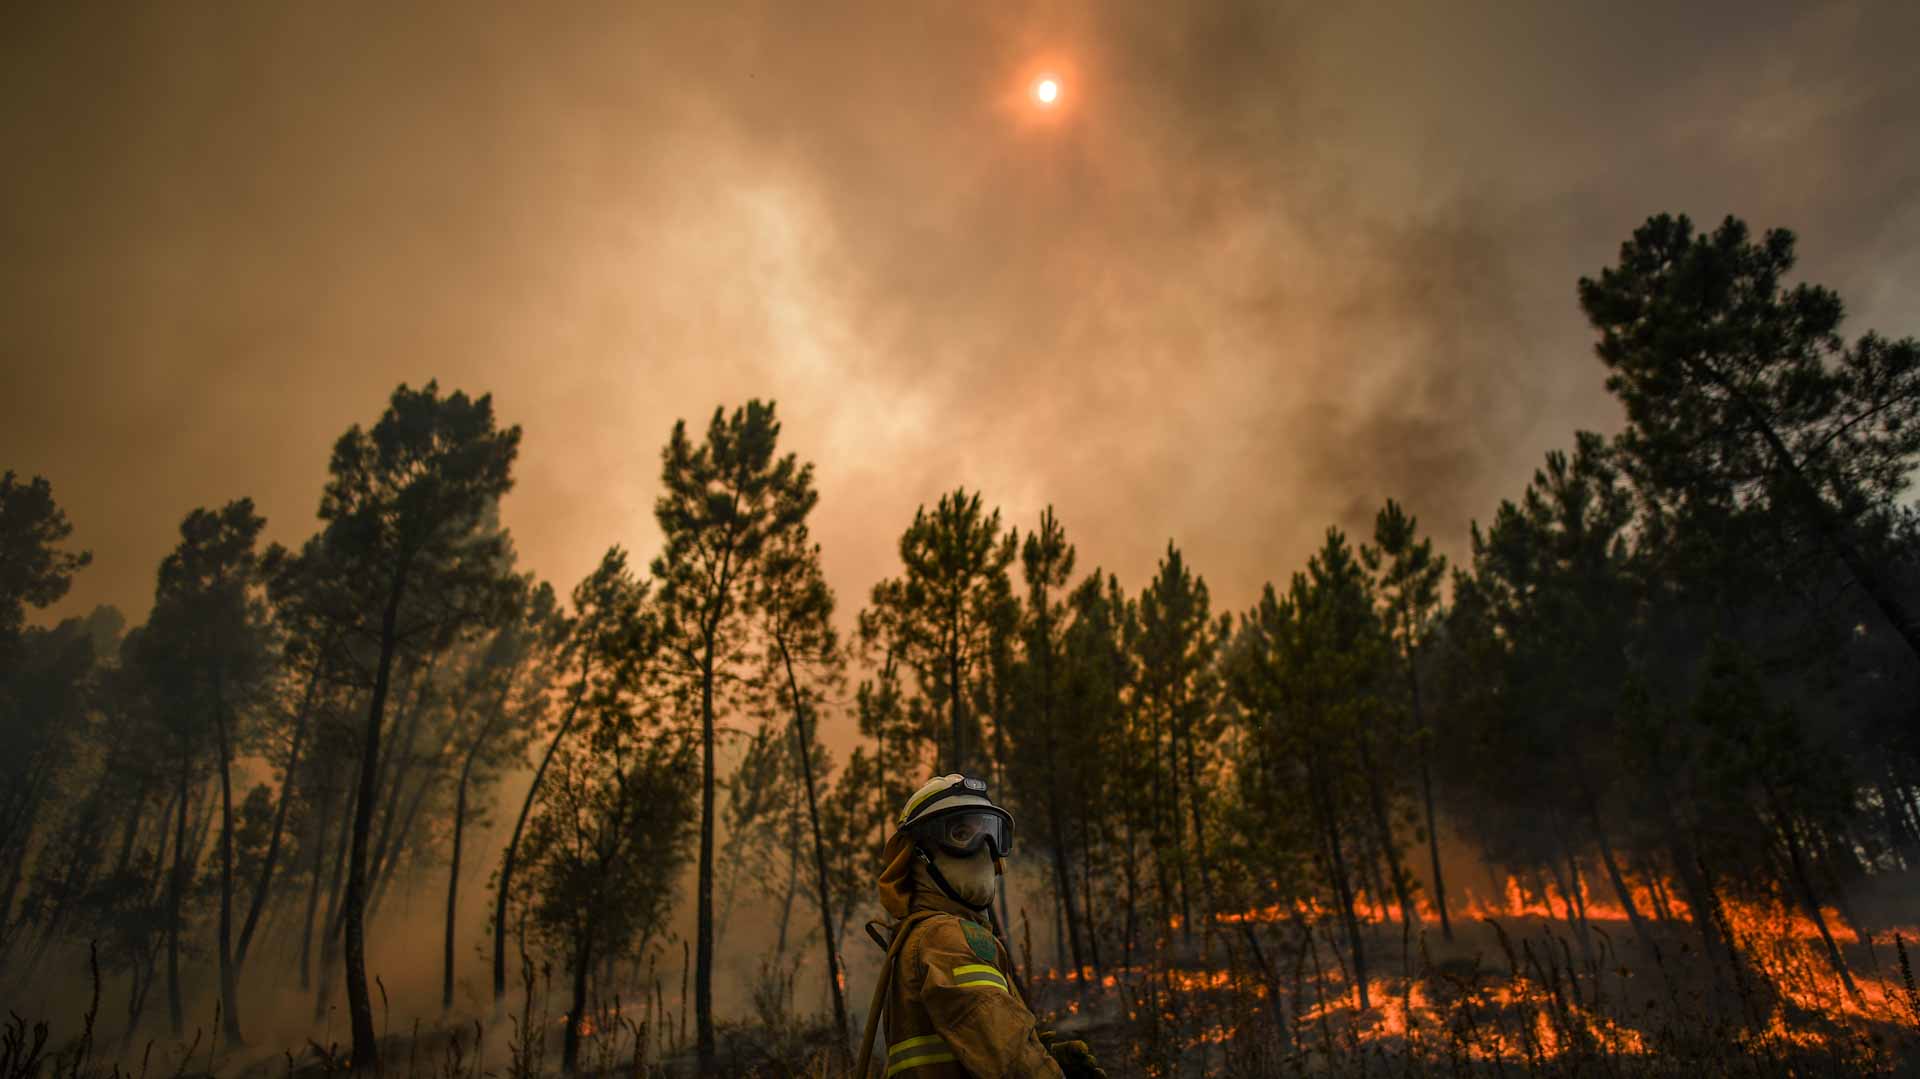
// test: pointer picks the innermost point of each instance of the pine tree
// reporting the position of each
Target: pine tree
(408, 563)
(209, 621)
(1409, 588)
(595, 646)
(1740, 390)
(804, 658)
(724, 501)
(939, 610)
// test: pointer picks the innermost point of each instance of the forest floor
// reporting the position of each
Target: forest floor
(1516, 996)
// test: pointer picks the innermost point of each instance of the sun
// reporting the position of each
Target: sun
(1046, 91)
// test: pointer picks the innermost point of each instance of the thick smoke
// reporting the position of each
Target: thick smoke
(1268, 265)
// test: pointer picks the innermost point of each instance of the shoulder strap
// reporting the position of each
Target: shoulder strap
(880, 986)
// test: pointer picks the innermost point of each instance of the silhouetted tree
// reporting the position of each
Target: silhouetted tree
(1039, 715)
(1409, 590)
(599, 648)
(34, 571)
(209, 617)
(496, 739)
(1174, 651)
(608, 838)
(724, 500)
(1741, 391)
(804, 659)
(939, 610)
(409, 561)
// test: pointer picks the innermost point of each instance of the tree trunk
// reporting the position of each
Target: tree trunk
(83, 857)
(1330, 829)
(139, 978)
(175, 1018)
(1059, 933)
(324, 808)
(1700, 902)
(136, 811)
(1086, 893)
(1001, 707)
(453, 881)
(1804, 888)
(384, 871)
(330, 928)
(1571, 889)
(1426, 791)
(366, 1050)
(577, 1013)
(803, 748)
(20, 838)
(230, 1010)
(953, 693)
(703, 975)
(1906, 848)
(1834, 852)
(1383, 824)
(1367, 853)
(786, 900)
(508, 858)
(1199, 832)
(394, 770)
(1154, 815)
(1640, 928)
(261, 888)
(1063, 878)
(1647, 869)
(1177, 830)
(1272, 981)
(1132, 924)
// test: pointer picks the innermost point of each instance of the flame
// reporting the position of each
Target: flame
(1527, 1022)
(1770, 918)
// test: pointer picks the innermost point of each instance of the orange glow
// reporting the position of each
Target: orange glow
(1783, 943)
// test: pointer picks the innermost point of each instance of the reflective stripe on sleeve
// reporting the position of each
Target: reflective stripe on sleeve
(914, 1052)
(979, 974)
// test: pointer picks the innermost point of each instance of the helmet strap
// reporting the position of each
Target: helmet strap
(940, 879)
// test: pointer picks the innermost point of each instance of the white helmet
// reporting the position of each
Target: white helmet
(954, 812)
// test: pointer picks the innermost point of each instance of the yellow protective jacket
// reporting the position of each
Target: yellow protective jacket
(952, 1010)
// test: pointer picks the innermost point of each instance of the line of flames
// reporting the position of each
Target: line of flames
(1782, 941)
(1765, 919)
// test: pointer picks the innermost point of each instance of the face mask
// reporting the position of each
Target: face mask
(971, 877)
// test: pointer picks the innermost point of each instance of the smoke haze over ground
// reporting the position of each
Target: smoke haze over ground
(1266, 265)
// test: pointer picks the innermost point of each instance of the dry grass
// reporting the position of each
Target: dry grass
(1511, 998)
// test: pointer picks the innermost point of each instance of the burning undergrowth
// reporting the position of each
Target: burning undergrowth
(1521, 990)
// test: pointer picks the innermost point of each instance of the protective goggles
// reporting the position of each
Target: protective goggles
(962, 831)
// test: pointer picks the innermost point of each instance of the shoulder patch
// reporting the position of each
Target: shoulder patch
(980, 939)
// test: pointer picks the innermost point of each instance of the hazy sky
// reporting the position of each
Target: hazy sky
(1264, 265)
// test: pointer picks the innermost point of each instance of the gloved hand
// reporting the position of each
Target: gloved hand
(1075, 1059)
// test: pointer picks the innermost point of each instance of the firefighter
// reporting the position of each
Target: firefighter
(952, 1002)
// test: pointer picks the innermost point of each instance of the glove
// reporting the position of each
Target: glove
(1075, 1059)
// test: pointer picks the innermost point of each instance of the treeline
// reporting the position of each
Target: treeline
(1682, 666)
